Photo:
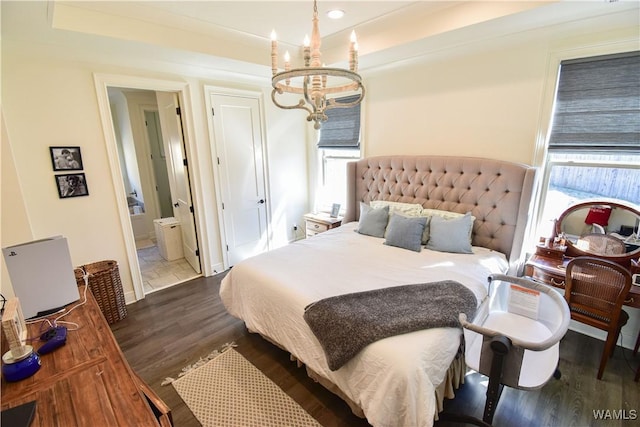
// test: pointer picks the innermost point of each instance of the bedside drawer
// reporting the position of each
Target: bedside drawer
(550, 279)
(550, 252)
(316, 227)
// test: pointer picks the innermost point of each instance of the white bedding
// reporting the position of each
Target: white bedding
(392, 380)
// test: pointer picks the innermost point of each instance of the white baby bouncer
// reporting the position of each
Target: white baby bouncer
(514, 338)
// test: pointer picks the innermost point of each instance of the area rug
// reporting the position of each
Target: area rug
(228, 390)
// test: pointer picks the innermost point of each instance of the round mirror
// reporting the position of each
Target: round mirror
(601, 228)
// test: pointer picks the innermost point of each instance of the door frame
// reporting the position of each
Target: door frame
(102, 83)
(210, 90)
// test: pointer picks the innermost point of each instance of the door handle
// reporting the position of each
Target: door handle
(176, 205)
(261, 201)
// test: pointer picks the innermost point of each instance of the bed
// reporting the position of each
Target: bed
(399, 380)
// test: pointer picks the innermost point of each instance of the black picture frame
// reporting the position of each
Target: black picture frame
(66, 158)
(71, 185)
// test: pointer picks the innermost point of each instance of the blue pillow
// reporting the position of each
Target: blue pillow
(405, 232)
(373, 222)
(451, 235)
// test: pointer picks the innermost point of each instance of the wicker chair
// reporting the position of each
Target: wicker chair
(595, 291)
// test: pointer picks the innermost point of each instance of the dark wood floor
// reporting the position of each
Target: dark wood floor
(174, 327)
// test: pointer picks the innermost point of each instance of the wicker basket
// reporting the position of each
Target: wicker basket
(106, 287)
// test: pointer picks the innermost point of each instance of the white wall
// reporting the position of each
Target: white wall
(485, 98)
(52, 101)
(483, 105)
(14, 217)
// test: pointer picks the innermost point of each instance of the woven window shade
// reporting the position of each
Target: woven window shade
(598, 105)
(342, 128)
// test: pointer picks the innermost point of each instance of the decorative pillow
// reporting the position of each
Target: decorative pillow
(406, 209)
(442, 214)
(405, 232)
(451, 235)
(373, 222)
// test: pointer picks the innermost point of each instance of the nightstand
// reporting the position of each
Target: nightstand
(317, 223)
(549, 270)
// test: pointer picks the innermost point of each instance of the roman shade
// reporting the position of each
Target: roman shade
(342, 128)
(598, 105)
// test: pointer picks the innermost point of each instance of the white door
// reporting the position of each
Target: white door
(158, 163)
(177, 167)
(239, 145)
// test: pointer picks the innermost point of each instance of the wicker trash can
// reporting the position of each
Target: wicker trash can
(106, 287)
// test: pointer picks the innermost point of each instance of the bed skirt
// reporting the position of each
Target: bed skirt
(446, 390)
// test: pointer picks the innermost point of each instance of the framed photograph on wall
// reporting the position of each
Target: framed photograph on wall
(71, 185)
(66, 158)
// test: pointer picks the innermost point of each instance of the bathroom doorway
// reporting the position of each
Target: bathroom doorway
(145, 165)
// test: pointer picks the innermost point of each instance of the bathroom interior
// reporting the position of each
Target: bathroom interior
(144, 171)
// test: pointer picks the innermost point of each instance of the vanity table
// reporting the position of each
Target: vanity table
(614, 219)
(551, 271)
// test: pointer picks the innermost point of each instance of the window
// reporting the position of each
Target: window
(339, 143)
(333, 172)
(594, 145)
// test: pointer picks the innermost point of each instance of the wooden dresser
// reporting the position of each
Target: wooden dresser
(86, 382)
(550, 269)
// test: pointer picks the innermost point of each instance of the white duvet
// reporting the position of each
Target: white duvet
(393, 380)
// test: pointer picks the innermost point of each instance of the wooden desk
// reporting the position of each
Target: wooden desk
(86, 382)
(551, 271)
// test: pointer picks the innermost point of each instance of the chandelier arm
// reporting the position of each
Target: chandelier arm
(333, 104)
(305, 91)
(317, 71)
(300, 105)
(335, 89)
(317, 115)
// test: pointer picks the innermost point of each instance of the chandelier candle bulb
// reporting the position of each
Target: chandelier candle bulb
(274, 53)
(352, 50)
(324, 78)
(355, 57)
(307, 50)
(287, 65)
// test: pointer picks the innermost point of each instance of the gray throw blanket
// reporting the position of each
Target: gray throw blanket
(345, 324)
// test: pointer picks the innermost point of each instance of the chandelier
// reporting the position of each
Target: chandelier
(314, 81)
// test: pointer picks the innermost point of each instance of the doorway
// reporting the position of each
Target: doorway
(147, 150)
(236, 124)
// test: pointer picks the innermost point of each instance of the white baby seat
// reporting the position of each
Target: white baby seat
(514, 337)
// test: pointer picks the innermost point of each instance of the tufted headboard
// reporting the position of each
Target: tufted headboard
(498, 193)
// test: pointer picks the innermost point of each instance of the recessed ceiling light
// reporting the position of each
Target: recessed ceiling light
(335, 13)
